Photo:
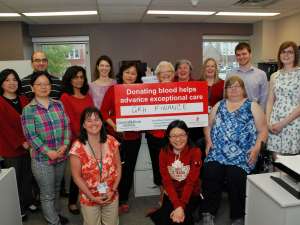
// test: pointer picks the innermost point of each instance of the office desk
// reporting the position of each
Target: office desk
(267, 203)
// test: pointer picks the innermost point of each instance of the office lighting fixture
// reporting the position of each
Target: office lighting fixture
(68, 13)
(9, 14)
(246, 14)
(171, 12)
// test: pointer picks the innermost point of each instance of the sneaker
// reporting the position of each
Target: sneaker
(63, 220)
(239, 221)
(208, 219)
(33, 208)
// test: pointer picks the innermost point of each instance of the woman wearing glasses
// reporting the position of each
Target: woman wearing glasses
(283, 105)
(235, 131)
(46, 128)
(179, 165)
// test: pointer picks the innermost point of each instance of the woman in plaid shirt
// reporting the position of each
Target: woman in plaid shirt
(46, 128)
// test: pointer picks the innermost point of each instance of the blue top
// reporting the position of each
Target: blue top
(233, 134)
(256, 83)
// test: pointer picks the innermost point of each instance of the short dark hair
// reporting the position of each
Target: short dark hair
(35, 75)
(177, 124)
(241, 46)
(285, 45)
(107, 59)
(125, 66)
(4, 74)
(88, 112)
(70, 74)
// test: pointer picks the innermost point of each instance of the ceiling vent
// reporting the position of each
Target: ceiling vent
(254, 3)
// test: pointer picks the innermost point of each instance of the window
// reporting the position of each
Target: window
(63, 52)
(221, 48)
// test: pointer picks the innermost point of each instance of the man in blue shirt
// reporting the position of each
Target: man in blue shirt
(255, 80)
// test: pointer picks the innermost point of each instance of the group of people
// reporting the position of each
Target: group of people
(47, 120)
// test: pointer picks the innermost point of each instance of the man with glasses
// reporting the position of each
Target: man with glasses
(255, 80)
(39, 62)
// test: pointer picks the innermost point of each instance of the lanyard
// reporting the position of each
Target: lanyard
(98, 164)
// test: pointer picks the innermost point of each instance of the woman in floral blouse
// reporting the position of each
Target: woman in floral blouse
(96, 169)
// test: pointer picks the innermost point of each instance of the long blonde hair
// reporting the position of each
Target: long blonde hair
(203, 76)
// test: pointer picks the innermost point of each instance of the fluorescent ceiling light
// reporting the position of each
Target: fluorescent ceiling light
(9, 14)
(170, 12)
(245, 14)
(69, 13)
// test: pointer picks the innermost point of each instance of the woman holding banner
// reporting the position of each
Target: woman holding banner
(130, 141)
(155, 138)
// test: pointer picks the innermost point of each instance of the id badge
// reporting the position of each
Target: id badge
(102, 188)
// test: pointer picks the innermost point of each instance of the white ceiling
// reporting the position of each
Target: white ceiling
(134, 11)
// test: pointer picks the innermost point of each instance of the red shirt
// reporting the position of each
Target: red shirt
(74, 107)
(11, 132)
(215, 93)
(179, 192)
(108, 112)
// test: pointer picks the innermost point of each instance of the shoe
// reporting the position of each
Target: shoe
(24, 217)
(63, 220)
(239, 221)
(74, 210)
(33, 208)
(123, 208)
(208, 219)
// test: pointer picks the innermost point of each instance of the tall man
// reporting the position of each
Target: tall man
(39, 62)
(255, 80)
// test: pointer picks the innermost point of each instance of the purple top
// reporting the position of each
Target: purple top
(98, 91)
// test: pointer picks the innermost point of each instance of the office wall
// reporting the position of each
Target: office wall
(147, 42)
(11, 41)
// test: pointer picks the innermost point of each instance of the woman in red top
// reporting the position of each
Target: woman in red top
(183, 68)
(130, 141)
(215, 85)
(13, 146)
(179, 164)
(75, 99)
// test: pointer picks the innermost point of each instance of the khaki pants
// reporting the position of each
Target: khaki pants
(101, 215)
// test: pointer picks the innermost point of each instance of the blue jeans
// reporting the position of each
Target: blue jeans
(49, 178)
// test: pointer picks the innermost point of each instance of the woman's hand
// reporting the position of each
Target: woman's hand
(53, 155)
(61, 151)
(277, 127)
(253, 156)
(99, 200)
(26, 145)
(177, 215)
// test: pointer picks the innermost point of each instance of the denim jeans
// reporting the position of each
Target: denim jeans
(49, 179)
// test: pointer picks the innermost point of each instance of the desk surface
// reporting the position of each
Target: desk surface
(273, 190)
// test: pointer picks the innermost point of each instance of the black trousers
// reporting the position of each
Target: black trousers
(214, 177)
(129, 150)
(73, 192)
(22, 165)
(162, 215)
(154, 145)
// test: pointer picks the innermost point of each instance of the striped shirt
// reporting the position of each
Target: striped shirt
(56, 87)
(45, 128)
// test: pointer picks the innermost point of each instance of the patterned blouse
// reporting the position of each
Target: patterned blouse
(98, 91)
(90, 170)
(45, 128)
(233, 134)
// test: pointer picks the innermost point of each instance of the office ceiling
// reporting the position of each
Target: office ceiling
(134, 11)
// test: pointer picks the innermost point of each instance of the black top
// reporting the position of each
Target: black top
(56, 87)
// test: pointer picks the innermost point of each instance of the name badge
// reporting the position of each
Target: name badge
(102, 188)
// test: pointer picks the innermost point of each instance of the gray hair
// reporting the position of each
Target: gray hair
(183, 61)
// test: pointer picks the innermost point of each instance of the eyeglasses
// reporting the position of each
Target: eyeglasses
(40, 60)
(42, 85)
(233, 87)
(288, 52)
(179, 136)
